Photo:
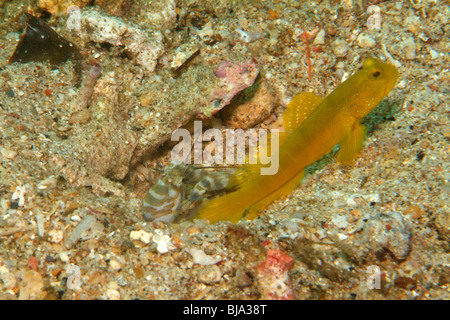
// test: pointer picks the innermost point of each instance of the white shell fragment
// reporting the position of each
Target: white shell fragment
(200, 257)
(39, 223)
(19, 196)
(88, 228)
(100, 28)
(163, 242)
(48, 183)
(141, 235)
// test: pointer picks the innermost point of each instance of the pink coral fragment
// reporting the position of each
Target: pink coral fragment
(235, 77)
(221, 70)
(273, 276)
(276, 262)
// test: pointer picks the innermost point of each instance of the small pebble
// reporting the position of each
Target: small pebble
(414, 211)
(443, 224)
(64, 257)
(434, 54)
(207, 32)
(121, 281)
(243, 279)
(210, 275)
(340, 221)
(320, 38)
(115, 265)
(31, 287)
(401, 84)
(113, 294)
(365, 41)
(409, 48)
(391, 231)
(146, 99)
(7, 278)
(80, 117)
(112, 285)
(193, 230)
(342, 236)
(8, 153)
(10, 93)
(56, 236)
(75, 218)
(339, 47)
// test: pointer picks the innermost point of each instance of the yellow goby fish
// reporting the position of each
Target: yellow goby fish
(313, 127)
